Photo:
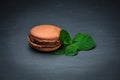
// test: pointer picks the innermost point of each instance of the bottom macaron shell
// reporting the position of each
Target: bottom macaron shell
(45, 49)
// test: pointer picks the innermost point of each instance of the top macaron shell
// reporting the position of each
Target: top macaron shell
(45, 32)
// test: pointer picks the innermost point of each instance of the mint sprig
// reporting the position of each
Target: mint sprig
(84, 41)
(71, 50)
(65, 37)
(70, 47)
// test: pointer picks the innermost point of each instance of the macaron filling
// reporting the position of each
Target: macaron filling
(46, 44)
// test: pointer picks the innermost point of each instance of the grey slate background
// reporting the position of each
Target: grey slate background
(98, 18)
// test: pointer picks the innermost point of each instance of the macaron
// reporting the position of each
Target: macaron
(44, 37)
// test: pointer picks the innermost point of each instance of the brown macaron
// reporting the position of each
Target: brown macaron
(45, 37)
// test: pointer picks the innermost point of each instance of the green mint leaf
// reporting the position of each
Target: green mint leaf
(71, 50)
(84, 41)
(59, 51)
(65, 37)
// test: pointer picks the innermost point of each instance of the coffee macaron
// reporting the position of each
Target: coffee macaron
(45, 37)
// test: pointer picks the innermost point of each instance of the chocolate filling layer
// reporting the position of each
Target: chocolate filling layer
(45, 44)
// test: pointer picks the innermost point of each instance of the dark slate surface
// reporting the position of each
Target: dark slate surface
(98, 18)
